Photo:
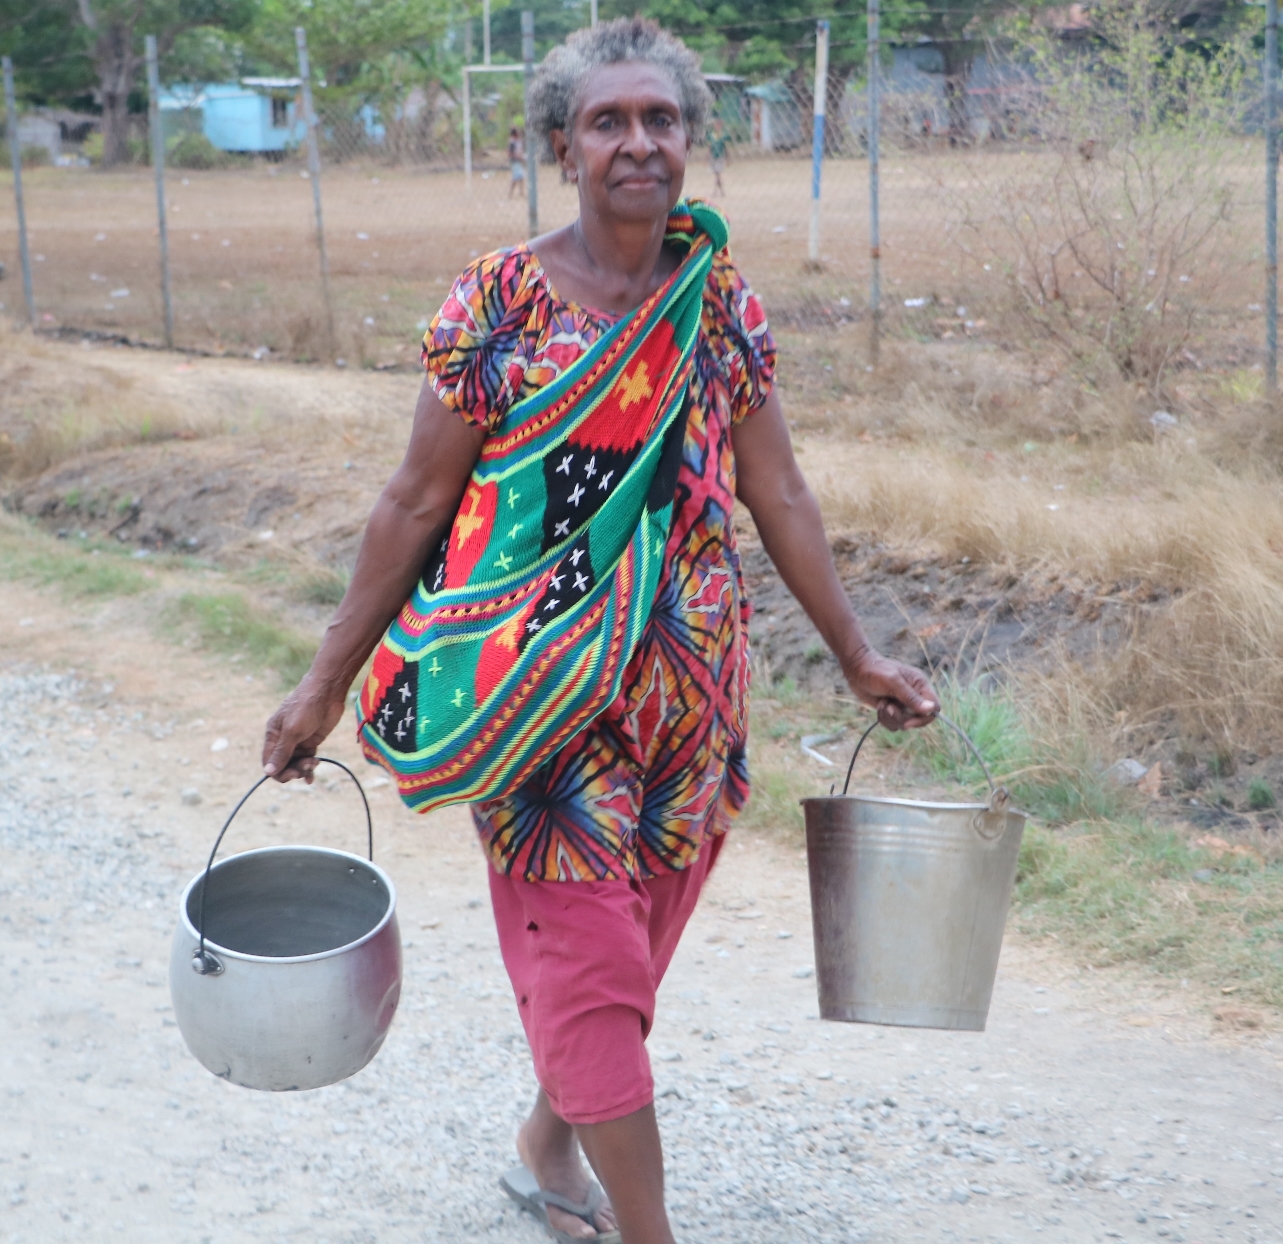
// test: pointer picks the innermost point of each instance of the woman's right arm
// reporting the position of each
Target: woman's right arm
(413, 512)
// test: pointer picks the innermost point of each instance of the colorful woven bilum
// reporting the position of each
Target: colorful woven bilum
(527, 615)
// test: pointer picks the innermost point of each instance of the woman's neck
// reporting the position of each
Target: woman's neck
(612, 266)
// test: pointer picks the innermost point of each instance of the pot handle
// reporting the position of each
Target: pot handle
(206, 964)
(998, 796)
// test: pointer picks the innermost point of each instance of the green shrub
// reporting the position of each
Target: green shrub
(1057, 778)
(228, 623)
(1260, 795)
(194, 151)
(32, 157)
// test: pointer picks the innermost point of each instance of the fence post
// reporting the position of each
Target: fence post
(532, 156)
(875, 239)
(314, 173)
(817, 135)
(592, 12)
(15, 152)
(467, 129)
(1271, 74)
(485, 33)
(158, 169)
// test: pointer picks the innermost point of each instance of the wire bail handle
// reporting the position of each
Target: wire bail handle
(999, 797)
(203, 962)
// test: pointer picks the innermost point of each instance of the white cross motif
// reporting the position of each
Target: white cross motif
(562, 528)
(575, 496)
(555, 580)
(382, 728)
(552, 604)
(386, 712)
(400, 733)
(575, 556)
(564, 468)
(605, 480)
(581, 584)
(533, 625)
(409, 716)
(405, 692)
(591, 469)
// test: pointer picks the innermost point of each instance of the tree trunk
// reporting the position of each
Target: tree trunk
(117, 66)
(958, 60)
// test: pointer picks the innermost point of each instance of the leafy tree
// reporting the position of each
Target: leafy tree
(765, 40)
(48, 50)
(113, 32)
(374, 51)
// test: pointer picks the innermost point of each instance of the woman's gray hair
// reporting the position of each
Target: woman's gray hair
(559, 82)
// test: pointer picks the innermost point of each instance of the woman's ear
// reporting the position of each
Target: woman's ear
(561, 153)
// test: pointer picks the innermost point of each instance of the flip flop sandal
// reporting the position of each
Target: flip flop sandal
(523, 1188)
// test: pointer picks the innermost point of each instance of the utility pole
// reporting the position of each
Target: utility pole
(817, 135)
(1271, 76)
(314, 173)
(532, 161)
(158, 169)
(15, 153)
(875, 233)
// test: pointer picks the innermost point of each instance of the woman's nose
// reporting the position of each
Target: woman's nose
(638, 141)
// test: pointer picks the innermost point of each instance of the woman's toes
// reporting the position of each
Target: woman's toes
(574, 1227)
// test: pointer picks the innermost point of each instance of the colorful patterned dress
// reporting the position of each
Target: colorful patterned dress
(636, 793)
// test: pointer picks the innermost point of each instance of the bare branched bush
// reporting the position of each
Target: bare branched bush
(1112, 226)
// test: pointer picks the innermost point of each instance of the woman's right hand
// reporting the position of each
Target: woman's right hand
(298, 728)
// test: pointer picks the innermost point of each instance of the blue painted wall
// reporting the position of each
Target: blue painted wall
(237, 118)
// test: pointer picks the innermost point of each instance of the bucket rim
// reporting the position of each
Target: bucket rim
(931, 805)
(211, 945)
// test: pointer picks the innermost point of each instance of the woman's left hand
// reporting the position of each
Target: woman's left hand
(902, 695)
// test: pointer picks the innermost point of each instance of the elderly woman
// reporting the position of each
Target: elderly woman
(553, 573)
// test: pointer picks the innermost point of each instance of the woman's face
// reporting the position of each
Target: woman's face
(627, 146)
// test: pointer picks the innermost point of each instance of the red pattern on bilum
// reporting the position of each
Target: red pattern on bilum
(639, 791)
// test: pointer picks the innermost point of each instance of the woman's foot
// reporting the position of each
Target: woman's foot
(549, 1150)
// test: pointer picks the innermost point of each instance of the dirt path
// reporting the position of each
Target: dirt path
(1098, 1106)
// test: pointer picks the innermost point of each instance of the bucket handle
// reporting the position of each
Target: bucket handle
(203, 962)
(998, 796)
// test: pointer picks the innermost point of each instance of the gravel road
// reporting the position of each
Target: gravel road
(1094, 1108)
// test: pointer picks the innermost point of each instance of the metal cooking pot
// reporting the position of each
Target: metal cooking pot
(286, 966)
(908, 902)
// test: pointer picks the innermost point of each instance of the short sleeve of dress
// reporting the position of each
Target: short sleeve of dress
(471, 349)
(740, 336)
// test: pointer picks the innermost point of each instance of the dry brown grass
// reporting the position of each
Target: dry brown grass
(53, 405)
(960, 454)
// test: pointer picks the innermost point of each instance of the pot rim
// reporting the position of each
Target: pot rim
(926, 804)
(187, 926)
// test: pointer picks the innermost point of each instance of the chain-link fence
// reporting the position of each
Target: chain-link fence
(1019, 202)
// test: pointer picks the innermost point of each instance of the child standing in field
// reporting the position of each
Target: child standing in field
(717, 155)
(517, 160)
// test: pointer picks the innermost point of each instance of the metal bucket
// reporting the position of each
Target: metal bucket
(286, 966)
(908, 902)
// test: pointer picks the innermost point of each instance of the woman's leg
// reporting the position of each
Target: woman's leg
(585, 959)
(549, 1150)
(629, 1160)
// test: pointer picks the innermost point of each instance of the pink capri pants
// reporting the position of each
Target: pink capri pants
(585, 959)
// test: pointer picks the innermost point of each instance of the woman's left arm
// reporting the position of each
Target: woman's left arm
(788, 519)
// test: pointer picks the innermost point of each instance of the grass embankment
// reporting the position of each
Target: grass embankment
(1108, 882)
(222, 622)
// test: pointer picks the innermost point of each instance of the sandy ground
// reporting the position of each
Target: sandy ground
(1097, 1106)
